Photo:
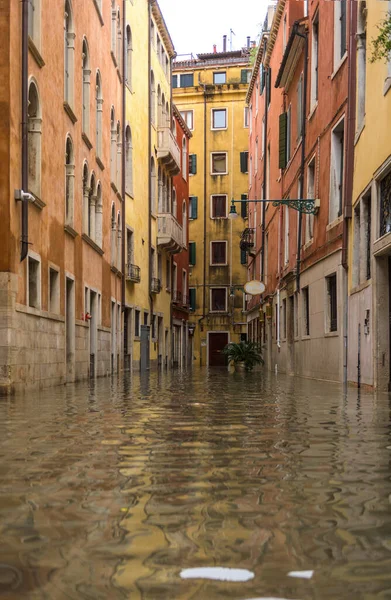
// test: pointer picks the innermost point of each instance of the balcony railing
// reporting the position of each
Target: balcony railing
(168, 150)
(177, 297)
(133, 273)
(185, 300)
(170, 233)
(156, 285)
(247, 240)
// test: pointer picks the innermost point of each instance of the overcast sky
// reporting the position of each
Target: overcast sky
(195, 25)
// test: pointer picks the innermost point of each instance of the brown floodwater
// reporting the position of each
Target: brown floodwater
(110, 490)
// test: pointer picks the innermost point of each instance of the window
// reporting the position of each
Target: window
(119, 40)
(119, 152)
(34, 21)
(245, 76)
(168, 274)
(296, 314)
(153, 186)
(193, 207)
(246, 116)
(34, 141)
(283, 320)
(243, 257)
(34, 282)
(128, 162)
(219, 163)
(184, 223)
(300, 108)
(129, 51)
(244, 162)
(219, 207)
(192, 298)
(69, 181)
(284, 34)
(286, 235)
(256, 156)
(361, 63)
(331, 285)
(218, 251)
(184, 286)
(186, 80)
(244, 207)
(362, 241)
(174, 81)
(309, 219)
(113, 235)
(339, 31)
(306, 310)
(283, 140)
(192, 254)
(54, 291)
(99, 216)
(263, 136)
(136, 323)
(218, 299)
(336, 171)
(129, 248)
(188, 116)
(219, 118)
(153, 99)
(146, 318)
(98, 114)
(192, 164)
(113, 29)
(113, 146)
(184, 158)
(269, 86)
(86, 89)
(219, 78)
(69, 54)
(314, 60)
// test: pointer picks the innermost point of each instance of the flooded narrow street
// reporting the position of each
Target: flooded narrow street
(111, 491)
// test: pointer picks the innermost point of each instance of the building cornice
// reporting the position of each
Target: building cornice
(257, 64)
(162, 27)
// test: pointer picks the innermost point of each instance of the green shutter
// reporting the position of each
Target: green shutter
(192, 298)
(244, 206)
(262, 78)
(193, 207)
(243, 76)
(192, 253)
(193, 164)
(244, 162)
(243, 257)
(282, 148)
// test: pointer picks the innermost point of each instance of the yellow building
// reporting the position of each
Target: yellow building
(210, 93)
(369, 340)
(152, 159)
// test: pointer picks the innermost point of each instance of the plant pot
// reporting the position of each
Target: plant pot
(240, 367)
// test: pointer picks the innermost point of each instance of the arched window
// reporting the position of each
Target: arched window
(69, 181)
(173, 127)
(99, 216)
(113, 146)
(167, 123)
(153, 186)
(34, 140)
(160, 190)
(113, 235)
(91, 207)
(86, 88)
(129, 50)
(99, 114)
(159, 106)
(69, 54)
(184, 158)
(119, 40)
(86, 197)
(129, 162)
(184, 223)
(174, 203)
(119, 153)
(153, 99)
(163, 112)
(119, 245)
(164, 207)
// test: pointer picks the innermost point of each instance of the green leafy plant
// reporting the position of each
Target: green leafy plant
(381, 45)
(243, 352)
(253, 55)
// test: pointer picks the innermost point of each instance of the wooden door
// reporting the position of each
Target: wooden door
(217, 341)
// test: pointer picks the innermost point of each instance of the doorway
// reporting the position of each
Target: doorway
(70, 329)
(93, 332)
(216, 343)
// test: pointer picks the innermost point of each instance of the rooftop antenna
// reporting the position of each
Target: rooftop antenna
(230, 38)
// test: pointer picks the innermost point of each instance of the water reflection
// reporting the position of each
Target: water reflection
(110, 490)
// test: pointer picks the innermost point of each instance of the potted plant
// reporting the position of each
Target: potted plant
(244, 355)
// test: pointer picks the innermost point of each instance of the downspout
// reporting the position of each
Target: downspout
(204, 255)
(123, 178)
(263, 230)
(149, 170)
(25, 202)
(303, 148)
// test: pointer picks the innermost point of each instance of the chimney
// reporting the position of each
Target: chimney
(224, 43)
(248, 41)
(214, 49)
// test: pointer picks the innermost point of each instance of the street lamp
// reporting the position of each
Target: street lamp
(309, 206)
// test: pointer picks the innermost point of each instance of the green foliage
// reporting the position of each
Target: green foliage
(245, 352)
(381, 45)
(253, 54)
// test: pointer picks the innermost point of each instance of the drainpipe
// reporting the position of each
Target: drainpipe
(348, 176)
(25, 202)
(149, 170)
(263, 230)
(124, 57)
(204, 256)
(303, 144)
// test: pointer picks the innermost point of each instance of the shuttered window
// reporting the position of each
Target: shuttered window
(245, 76)
(244, 207)
(282, 141)
(193, 207)
(243, 257)
(218, 253)
(187, 80)
(244, 162)
(219, 207)
(269, 85)
(300, 107)
(193, 164)
(192, 253)
(192, 298)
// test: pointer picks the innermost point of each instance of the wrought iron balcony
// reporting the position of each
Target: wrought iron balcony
(170, 233)
(185, 300)
(168, 151)
(156, 285)
(133, 273)
(247, 240)
(177, 297)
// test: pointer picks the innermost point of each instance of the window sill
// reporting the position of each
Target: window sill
(312, 111)
(305, 337)
(130, 194)
(100, 163)
(360, 287)
(359, 132)
(114, 59)
(114, 187)
(331, 334)
(119, 196)
(36, 53)
(38, 203)
(338, 66)
(38, 312)
(119, 75)
(98, 11)
(219, 218)
(69, 229)
(93, 245)
(334, 223)
(308, 244)
(217, 174)
(70, 112)
(218, 312)
(86, 140)
(387, 85)
(218, 265)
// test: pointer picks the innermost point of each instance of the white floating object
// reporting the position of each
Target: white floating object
(218, 573)
(301, 574)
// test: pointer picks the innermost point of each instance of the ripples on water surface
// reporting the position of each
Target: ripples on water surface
(110, 491)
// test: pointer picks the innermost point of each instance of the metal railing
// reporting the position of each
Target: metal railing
(156, 285)
(133, 273)
(177, 297)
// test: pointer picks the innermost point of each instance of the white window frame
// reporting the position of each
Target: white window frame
(212, 111)
(37, 258)
(211, 206)
(219, 73)
(212, 264)
(218, 287)
(191, 112)
(211, 163)
(309, 219)
(334, 170)
(246, 117)
(314, 87)
(337, 58)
